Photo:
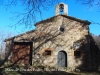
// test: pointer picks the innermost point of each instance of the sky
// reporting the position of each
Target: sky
(74, 9)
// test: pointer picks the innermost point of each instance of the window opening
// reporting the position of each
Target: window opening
(61, 28)
(77, 53)
(47, 52)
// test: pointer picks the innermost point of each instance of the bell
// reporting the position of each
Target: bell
(61, 7)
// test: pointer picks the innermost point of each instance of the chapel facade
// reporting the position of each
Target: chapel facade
(59, 41)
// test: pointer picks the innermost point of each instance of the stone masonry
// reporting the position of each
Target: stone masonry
(61, 33)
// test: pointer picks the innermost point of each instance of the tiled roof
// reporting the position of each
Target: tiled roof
(19, 35)
(35, 35)
(70, 17)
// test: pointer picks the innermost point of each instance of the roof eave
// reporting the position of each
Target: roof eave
(18, 35)
(70, 17)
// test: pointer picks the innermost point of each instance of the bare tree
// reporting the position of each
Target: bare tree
(28, 17)
(31, 9)
(3, 35)
(90, 3)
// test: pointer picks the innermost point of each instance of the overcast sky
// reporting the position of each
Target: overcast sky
(74, 9)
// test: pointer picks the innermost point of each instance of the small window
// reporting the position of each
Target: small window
(77, 53)
(47, 52)
(61, 28)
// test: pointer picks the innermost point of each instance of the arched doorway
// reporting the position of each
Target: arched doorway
(62, 59)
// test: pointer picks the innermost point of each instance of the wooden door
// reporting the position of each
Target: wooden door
(62, 59)
(22, 53)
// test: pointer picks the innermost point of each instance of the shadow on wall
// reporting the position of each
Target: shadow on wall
(21, 53)
(88, 53)
(95, 54)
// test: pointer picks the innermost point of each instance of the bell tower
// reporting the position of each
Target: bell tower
(62, 8)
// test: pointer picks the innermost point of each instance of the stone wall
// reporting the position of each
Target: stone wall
(63, 41)
(48, 40)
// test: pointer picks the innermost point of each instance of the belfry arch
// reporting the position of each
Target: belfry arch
(62, 8)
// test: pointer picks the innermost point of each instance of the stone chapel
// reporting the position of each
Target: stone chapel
(59, 41)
